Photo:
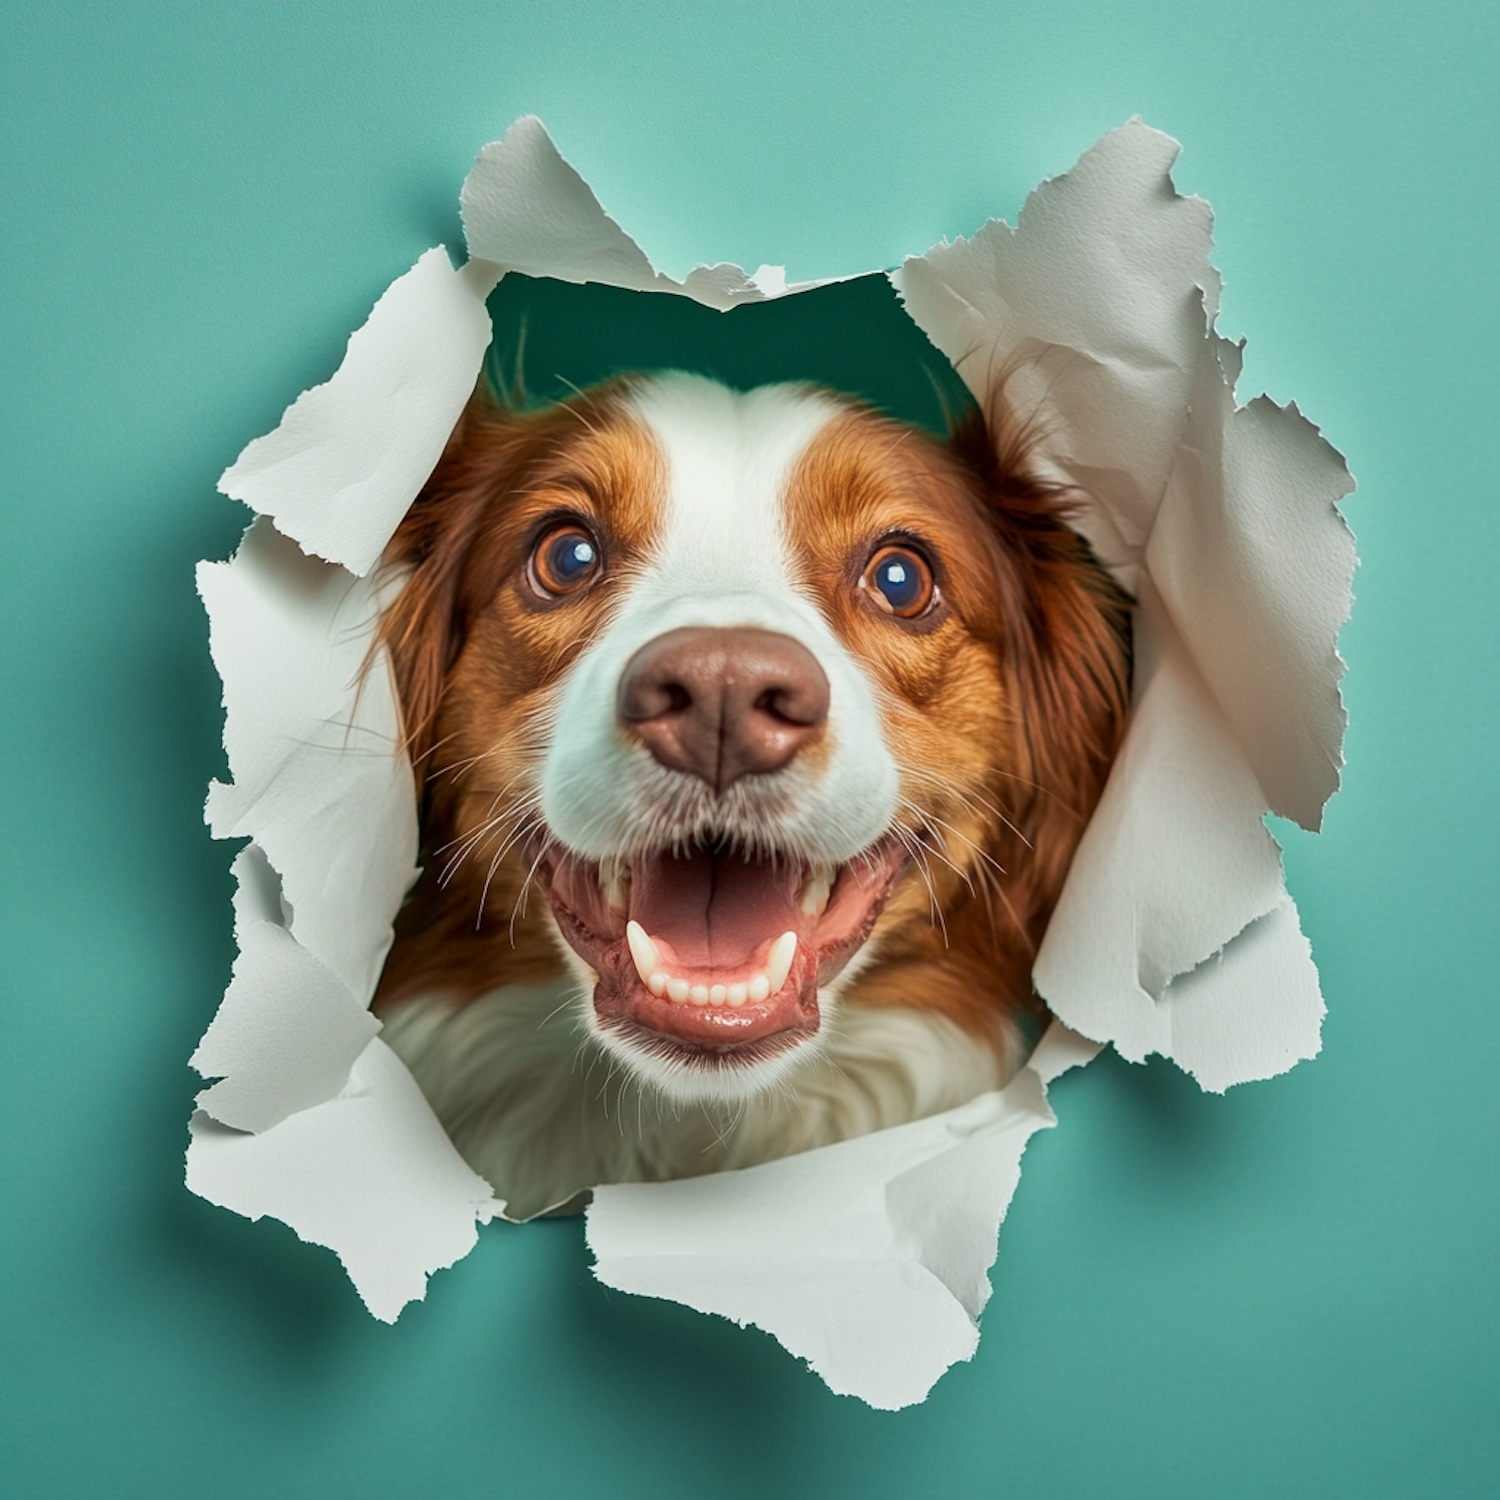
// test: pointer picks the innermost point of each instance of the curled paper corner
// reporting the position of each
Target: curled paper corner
(341, 468)
(1089, 316)
(1093, 318)
(288, 1031)
(1250, 1011)
(526, 208)
(369, 1174)
(894, 1236)
(1253, 562)
(1253, 1010)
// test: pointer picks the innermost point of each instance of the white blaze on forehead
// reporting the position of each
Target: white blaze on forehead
(729, 458)
(722, 558)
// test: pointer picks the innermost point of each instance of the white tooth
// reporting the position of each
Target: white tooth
(737, 994)
(779, 960)
(643, 951)
(614, 882)
(677, 989)
(657, 983)
(716, 994)
(699, 994)
(758, 988)
(815, 893)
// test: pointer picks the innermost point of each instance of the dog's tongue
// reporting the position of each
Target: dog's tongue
(718, 909)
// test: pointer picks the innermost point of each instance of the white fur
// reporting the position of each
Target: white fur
(536, 1107)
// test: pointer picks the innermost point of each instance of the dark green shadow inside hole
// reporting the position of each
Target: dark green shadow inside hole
(852, 336)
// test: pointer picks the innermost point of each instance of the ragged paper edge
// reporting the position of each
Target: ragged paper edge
(908, 1216)
(369, 1173)
(346, 461)
(1224, 522)
(575, 239)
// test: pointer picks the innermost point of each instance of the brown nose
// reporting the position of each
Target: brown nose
(721, 704)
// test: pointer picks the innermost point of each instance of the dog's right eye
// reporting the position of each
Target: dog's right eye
(563, 561)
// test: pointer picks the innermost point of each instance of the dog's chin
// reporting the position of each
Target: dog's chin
(708, 962)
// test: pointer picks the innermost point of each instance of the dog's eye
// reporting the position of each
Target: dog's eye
(563, 561)
(900, 581)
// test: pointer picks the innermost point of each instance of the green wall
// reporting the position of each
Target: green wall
(1289, 1291)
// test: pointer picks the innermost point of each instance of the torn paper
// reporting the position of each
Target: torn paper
(349, 457)
(1174, 935)
(368, 1172)
(868, 1259)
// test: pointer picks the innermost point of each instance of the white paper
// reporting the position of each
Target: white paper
(1096, 313)
(1174, 934)
(348, 457)
(312, 738)
(369, 1173)
(526, 209)
(289, 1029)
(1252, 560)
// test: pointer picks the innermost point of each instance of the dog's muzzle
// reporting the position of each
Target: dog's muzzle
(710, 942)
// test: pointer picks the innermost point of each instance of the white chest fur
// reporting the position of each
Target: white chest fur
(538, 1109)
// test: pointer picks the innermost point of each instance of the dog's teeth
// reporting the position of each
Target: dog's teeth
(684, 992)
(779, 960)
(614, 882)
(816, 891)
(642, 952)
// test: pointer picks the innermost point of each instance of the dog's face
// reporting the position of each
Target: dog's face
(748, 687)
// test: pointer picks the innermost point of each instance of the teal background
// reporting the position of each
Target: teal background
(1289, 1291)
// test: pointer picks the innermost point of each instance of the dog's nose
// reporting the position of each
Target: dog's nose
(721, 704)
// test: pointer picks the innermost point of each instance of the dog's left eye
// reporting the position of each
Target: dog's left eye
(563, 561)
(900, 581)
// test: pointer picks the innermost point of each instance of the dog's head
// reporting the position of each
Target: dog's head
(746, 687)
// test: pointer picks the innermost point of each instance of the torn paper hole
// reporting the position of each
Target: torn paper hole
(1175, 934)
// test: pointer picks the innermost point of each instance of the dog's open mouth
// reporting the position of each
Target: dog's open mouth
(711, 956)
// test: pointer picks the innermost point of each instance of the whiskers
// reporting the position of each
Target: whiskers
(495, 835)
(933, 839)
(518, 907)
(508, 827)
(973, 802)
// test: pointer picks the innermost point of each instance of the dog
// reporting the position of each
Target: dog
(756, 732)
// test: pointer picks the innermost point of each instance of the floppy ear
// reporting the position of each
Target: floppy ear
(1067, 646)
(437, 545)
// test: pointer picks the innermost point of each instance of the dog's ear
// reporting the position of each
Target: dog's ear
(1066, 644)
(439, 547)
